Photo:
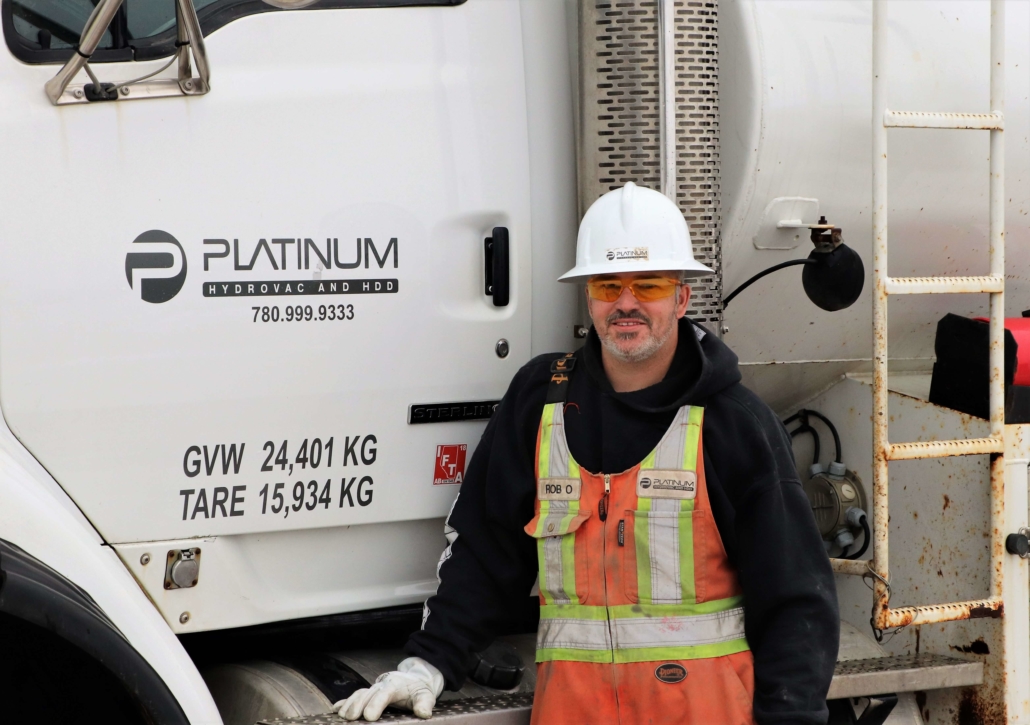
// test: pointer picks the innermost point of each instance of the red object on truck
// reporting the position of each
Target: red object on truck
(1020, 329)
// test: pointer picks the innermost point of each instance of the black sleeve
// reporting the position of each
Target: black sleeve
(490, 564)
(790, 598)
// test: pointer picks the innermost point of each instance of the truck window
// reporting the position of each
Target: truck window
(47, 31)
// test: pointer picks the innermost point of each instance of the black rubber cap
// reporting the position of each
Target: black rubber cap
(1017, 544)
(498, 666)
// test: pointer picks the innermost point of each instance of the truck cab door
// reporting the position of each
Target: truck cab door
(223, 317)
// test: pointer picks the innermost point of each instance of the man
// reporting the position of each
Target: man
(656, 502)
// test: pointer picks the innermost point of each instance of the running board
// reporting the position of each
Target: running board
(902, 673)
(496, 710)
(854, 678)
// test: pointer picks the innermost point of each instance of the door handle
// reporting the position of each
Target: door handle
(497, 276)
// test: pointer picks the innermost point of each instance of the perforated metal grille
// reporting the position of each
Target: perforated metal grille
(620, 138)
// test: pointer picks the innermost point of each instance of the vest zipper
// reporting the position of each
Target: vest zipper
(602, 507)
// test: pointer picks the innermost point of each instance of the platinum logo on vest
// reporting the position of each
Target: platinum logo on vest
(666, 484)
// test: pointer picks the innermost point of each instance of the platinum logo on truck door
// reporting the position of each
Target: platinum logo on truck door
(154, 285)
(266, 256)
(297, 253)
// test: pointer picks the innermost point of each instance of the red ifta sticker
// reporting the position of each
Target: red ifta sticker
(450, 464)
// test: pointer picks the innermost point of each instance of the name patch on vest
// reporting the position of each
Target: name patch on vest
(558, 489)
(666, 484)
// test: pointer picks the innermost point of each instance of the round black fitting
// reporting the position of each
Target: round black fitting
(498, 666)
(837, 278)
(1017, 544)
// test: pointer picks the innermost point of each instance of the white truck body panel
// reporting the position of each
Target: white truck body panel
(110, 392)
(38, 517)
(368, 126)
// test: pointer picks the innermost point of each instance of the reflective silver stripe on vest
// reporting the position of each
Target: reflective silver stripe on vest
(663, 522)
(686, 631)
(553, 567)
(669, 453)
(642, 632)
(558, 458)
(664, 542)
(589, 634)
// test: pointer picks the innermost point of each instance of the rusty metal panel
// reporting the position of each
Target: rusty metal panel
(940, 533)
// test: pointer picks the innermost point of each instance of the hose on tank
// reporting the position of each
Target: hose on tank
(791, 263)
(803, 414)
(866, 536)
(805, 428)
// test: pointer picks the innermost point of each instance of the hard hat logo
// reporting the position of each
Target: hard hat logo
(633, 229)
(161, 270)
(635, 253)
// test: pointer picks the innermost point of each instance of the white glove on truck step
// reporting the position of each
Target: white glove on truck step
(414, 685)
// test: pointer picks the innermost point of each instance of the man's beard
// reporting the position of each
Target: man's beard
(644, 351)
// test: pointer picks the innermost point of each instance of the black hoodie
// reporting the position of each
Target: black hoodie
(762, 513)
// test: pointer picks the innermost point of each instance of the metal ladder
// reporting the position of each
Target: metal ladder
(994, 284)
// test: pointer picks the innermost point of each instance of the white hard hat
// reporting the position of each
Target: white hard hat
(633, 229)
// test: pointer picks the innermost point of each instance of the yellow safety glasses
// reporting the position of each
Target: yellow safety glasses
(645, 289)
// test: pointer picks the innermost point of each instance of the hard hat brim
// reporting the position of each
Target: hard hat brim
(579, 274)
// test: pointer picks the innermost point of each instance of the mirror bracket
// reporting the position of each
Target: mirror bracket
(189, 41)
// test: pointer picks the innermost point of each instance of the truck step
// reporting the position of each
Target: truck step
(853, 678)
(496, 710)
(902, 673)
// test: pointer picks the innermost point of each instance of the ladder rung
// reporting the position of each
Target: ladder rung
(944, 449)
(950, 612)
(917, 119)
(944, 285)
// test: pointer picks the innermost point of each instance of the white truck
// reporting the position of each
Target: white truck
(266, 266)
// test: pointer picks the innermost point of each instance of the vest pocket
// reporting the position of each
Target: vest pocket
(661, 552)
(563, 580)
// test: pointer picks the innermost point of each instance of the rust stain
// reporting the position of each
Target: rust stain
(947, 501)
(975, 709)
(987, 612)
(921, 704)
(976, 647)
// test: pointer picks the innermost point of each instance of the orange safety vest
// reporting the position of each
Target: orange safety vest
(641, 617)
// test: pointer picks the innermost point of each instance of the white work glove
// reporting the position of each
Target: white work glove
(414, 686)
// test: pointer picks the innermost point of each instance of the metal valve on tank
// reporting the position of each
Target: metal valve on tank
(839, 505)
